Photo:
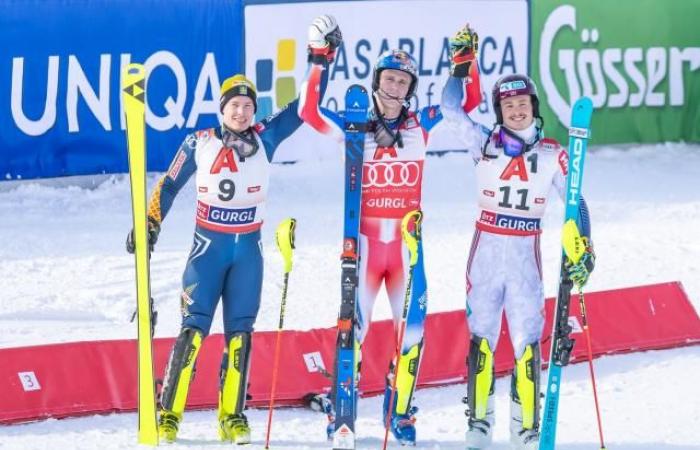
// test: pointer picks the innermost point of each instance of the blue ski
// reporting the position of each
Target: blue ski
(562, 344)
(344, 389)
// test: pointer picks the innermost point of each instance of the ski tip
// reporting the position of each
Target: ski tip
(134, 70)
(133, 81)
(583, 104)
(358, 87)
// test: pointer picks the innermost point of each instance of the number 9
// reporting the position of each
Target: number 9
(227, 189)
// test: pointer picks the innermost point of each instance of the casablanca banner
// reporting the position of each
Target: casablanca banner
(275, 52)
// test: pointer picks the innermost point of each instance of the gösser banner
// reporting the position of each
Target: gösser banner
(638, 60)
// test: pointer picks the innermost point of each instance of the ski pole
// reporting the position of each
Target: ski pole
(574, 248)
(411, 240)
(587, 331)
(285, 243)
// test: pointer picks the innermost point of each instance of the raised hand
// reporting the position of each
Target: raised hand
(324, 37)
(464, 46)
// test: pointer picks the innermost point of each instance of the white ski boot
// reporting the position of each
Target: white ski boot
(479, 433)
(522, 438)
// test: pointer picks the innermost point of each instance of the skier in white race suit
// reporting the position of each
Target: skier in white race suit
(516, 167)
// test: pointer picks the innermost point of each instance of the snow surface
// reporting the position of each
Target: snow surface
(67, 277)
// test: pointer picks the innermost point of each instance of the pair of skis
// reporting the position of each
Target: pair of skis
(134, 95)
(344, 381)
(344, 387)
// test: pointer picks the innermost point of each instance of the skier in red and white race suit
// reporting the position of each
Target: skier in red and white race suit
(516, 167)
(394, 154)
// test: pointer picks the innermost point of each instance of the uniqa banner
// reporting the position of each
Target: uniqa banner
(60, 66)
(639, 61)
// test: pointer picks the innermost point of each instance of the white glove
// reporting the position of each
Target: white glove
(321, 27)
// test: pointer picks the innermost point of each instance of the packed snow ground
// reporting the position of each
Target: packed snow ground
(66, 277)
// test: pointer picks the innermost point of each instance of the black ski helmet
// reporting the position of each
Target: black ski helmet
(512, 85)
(397, 60)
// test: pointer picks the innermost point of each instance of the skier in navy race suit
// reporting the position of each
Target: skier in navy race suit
(232, 168)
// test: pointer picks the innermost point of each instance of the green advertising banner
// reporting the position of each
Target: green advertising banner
(638, 60)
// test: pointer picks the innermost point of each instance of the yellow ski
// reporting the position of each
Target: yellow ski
(134, 94)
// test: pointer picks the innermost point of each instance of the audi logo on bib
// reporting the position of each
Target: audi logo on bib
(391, 174)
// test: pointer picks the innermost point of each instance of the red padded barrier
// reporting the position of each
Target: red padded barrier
(61, 380)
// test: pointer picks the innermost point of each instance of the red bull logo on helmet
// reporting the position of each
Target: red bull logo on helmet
(405, 60)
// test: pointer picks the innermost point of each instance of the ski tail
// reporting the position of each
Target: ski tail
(562, 344)
(344, 385)
(134, 95)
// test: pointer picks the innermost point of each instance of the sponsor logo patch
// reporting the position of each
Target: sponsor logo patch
(176, 166)
(550, 144)
(510, 222)
(391, 174)
(191, 141)
(225, 216)
(564, 162)
(512, 86)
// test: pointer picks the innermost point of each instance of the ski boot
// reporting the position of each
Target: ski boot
(319, 402)
(480, 391)
(524, 439)
(479, 434)
(234, 428)
(402, 426)
(525, 400)
(330, 428)
(168, 424)
(480, 431)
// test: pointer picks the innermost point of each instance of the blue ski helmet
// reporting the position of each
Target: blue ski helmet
(397, 60)
(510, 86)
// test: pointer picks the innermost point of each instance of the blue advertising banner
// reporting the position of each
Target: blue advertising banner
(60, 65)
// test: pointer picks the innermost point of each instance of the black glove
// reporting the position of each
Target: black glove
(324, 38)
(153, 231)
(463, 50)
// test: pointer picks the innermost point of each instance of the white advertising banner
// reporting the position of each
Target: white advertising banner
(275, 51)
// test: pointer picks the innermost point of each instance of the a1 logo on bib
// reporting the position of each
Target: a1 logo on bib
(225, 159)
(518, 168)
